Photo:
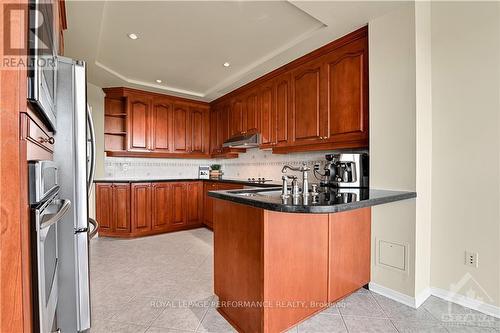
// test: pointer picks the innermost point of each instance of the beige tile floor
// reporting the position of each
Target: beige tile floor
(163, 284)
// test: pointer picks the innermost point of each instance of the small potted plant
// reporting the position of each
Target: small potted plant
(215, 171)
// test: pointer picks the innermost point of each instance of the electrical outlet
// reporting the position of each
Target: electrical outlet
(471, 259)
(316, 166)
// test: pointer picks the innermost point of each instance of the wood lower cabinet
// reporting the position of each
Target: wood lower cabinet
(161, 206)
(140, 209)
(194, 203)
(113, 208)
(208, 202)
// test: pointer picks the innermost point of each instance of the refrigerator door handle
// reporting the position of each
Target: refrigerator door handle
(90, 180)
(95, 226)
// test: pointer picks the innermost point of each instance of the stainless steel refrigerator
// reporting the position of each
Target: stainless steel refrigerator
(74, 154)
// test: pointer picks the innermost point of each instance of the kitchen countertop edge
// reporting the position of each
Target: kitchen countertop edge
(392, 196)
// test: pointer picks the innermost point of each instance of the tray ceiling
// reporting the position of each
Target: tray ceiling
(185, 44)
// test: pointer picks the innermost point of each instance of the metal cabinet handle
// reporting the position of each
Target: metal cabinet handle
(49, 140)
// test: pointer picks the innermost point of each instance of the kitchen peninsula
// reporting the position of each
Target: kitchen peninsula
(291, 258)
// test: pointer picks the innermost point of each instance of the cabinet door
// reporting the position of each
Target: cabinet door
(307, 109)
(121, 208)
(180, 128)
(194, 202)
(266, 105)
(160, 203)
(208, 204)
(161, 116)
(251, 123)
(178, 204)
(141, 207)
(139, 108)
(236, 117)
(225, 117)
(104, 206)
(347, 98)
(199, 126)
(214, 113)
(282, 109)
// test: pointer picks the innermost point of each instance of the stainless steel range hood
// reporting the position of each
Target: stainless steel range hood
(243, 141)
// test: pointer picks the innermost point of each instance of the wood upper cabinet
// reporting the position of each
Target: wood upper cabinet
(139, 109)
(282, 109)
(251, 120)
(214, 113)
(236, 116)
(347, 98)
(266, 110)
(199, 130)
(113, 208)
(194, 202)
(180, 129)
(160, 203)
(141, 207)
(161, 125)
(308, 111)
(178, 198)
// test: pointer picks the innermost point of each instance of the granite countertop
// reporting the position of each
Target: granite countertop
(329, 201)
(244, 182)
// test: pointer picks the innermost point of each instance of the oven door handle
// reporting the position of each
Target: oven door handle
(53, 218)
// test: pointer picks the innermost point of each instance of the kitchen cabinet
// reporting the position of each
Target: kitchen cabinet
(141, 207)
(266, 110)
(199, 130)
(236, 116)
(251, 120)
(113, 208)
(316, 102)
(194, 203)
(347, 98)
(161, 117)
(160, 206)
(180, 129)
(139, 108)
(307, 112)
(178, 206)
(155, 125)
(209, 202)
(282, 108)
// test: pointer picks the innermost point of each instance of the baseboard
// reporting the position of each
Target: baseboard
(415, 302)
(470, 303)
(392, 294)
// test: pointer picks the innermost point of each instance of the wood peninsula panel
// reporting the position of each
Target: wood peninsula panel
(349, 255)
(238, 239)
(288, 266)
(295, 267)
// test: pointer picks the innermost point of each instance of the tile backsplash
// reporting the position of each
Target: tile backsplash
(253, 163)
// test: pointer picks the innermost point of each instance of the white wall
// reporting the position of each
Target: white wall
(392, 140)
(465, 157)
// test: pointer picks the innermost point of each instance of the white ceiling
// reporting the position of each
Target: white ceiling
(185, 43)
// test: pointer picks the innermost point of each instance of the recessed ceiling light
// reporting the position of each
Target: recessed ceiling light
(226, 64)
(158, 81)
(133, 36)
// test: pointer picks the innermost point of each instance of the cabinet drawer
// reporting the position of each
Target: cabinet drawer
(40, 143)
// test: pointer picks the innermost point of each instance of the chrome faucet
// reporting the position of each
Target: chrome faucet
(304, 169)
